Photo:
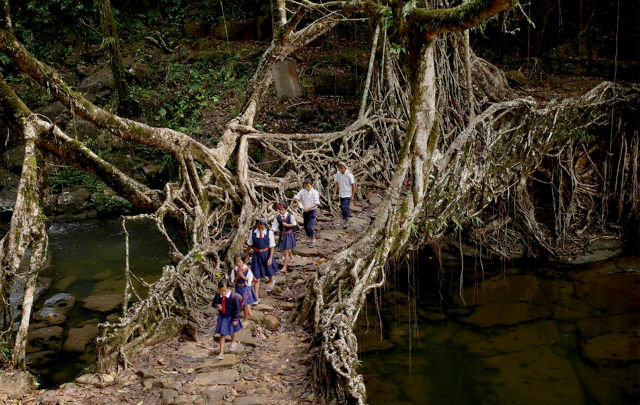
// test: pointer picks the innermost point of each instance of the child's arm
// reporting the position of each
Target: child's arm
(242, 276)
(216, 301)
(236, 307)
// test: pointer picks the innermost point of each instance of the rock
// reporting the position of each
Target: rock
(286, 79)
(192, 350)
(79, 338)
(49, 337)
(599, 250)
(214, 396)
(65, 282)
(611, 293)
(250, 400)
(220, 377)
(168, 396)
(15, 384)
(97, 380)
(97, 81)
(229, 360)
(521, 338)
(79, 128)
(334, 83)
(234, 30)
(103, 303)
(52, 111)
(536, 376)
(38, 359)
(196, 29)
(12, 159)
(16, 293)
(609, 349)
(271, 322)
(210, 311)
(303, 250)
(60, 301)
(263, 307)
(190, 331)
(330, 234)
(257, 316)
(506, 301)
(50, 316)
(72, 200)
(591, 327)
(374, 198)
(145, 373)
(113, 318)
(516, 77)
(168, 383)
(245, 337)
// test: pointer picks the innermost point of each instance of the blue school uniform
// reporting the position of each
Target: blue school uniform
(287, 236)
(245, 289)
(260, 245)
(230, 310)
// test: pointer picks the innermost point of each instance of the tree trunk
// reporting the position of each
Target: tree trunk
(111, 42)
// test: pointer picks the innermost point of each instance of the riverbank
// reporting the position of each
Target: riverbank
(271, 365)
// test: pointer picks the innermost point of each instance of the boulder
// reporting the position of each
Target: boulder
(72, 200)
(49, 337)
(79, 338)
(15, 384)
(103, 303)
(97, 81)
(374, 198)
(516, 77)
(50, 316)
(599, 250)
(16, 293)
(271, 322)
(97, 380)
(38, 359)
(60, 301)
(196, 29)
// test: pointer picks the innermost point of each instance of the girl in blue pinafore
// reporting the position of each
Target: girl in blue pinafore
(262, 242)
(242, 277)
(228, 304)
(285, 224)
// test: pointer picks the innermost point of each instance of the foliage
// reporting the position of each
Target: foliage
(69, 176)
(107, 205)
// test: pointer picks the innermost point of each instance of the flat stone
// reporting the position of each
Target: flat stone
(250, 400)
(49, 337)
(60, 301)
(50, 316)
(331, 234)
(303, 250)
(521, 338)
(611, 348)
(103, 303)
(220, 377)
(168, 396)
(374, 198)
(271, 322)
(214, 396)
(192, 349)
(79, 338)
(229, 360)
(263, 307)
(245, 337)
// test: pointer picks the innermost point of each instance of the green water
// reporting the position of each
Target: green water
(526, 335)
(87, 258)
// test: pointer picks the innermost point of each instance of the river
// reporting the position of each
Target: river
(87, 260)
(528, 334)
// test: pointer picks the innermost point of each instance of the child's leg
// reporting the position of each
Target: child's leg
(256, 286)
(246, 312)
(221, 345)
(285, 260)
(232, 345)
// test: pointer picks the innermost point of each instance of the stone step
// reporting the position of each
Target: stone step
(220, 377)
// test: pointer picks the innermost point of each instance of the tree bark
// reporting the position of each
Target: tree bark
(111, 42)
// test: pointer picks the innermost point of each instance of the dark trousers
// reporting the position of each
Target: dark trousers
(309, 218)
(344, 207)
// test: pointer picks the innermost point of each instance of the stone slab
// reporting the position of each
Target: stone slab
(229, 361)
(220, 377)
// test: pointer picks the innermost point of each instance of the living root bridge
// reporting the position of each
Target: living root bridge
(444, 136)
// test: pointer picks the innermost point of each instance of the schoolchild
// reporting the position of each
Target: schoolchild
(228, 305)
(284, 223)
(242, 277)
(345, 189)
(262, 242)
(310, 200)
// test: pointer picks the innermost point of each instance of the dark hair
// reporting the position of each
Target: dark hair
(238, 255)
(308, 180)
(223, 283)
(283, 203)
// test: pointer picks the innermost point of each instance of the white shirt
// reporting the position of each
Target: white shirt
(249, 275)
(344, 183)
(308, 198)
(272, 240)
(274, 224)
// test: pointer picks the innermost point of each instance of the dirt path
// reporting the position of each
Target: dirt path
(273, 359)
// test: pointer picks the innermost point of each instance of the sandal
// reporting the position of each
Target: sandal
(220, 357)
(232, 347)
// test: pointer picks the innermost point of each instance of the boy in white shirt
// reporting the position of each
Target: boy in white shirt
(345, 189)
(310, 200)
